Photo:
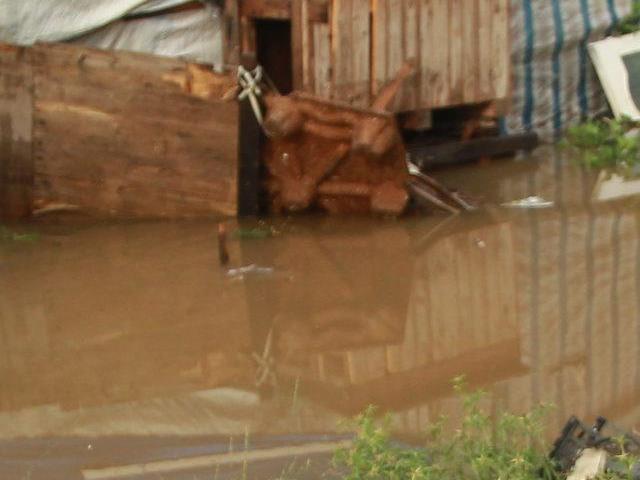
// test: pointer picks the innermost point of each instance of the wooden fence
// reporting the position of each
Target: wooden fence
(348, 49)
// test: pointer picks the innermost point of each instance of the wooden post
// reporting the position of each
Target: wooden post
(297, 42)
(249, 164)
(16, 113)
(231, 37)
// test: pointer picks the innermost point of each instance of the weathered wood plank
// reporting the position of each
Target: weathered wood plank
(275, 9)
(249, 162)
(231, 35)
(132, 135)
(379, 45)
(247, 38)
(460, 49)
(426, 49)
(322, 60)
(298, 51)
(361, 32)
(485, 49)
(456, 82)
(307, 48)
(341, 54)
(501, 52)
(16, 162)
(440, 58)
(350, 37)
(411, 17)
(454, 45)
(470, 67)
(395, 40)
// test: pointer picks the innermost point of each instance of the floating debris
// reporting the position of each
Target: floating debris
(234, 272)
(253, 270)
(529, 202)
(479, 243)
(584, 452)
(55, 208)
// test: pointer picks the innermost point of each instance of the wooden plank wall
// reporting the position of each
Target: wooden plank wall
(460, 49)
(321, 61)
(346, 50)
(350, 51)
(16, 165)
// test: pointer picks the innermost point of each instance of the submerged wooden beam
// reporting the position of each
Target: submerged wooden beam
(425, 156)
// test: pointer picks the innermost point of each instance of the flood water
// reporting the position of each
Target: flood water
(130, 337)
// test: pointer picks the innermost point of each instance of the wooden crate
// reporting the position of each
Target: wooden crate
(348, 49)
(117, 133)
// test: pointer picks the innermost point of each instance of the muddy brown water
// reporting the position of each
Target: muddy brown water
(134, 331)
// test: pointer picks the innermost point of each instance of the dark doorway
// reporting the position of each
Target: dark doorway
(273, 49)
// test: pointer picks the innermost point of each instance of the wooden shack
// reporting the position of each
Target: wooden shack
(135, 135)
(348, 50)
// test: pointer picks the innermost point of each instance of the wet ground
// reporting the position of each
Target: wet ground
(126, 351)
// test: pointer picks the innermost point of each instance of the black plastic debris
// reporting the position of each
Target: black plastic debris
(578, 437)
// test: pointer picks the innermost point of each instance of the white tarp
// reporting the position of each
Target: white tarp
(192, 34)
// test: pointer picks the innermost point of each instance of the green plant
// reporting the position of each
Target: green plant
(8, 235)
(373, 455)
(630, 23)
(610, 144)
(621, 465)
(483, 448)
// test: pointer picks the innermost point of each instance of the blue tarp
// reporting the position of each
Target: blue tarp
(554, 83)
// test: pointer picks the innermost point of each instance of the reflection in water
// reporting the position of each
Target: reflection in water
(135, 329)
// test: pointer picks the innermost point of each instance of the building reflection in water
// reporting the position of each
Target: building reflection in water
(121, 329)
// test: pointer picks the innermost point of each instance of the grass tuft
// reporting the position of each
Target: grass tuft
(480, 449)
